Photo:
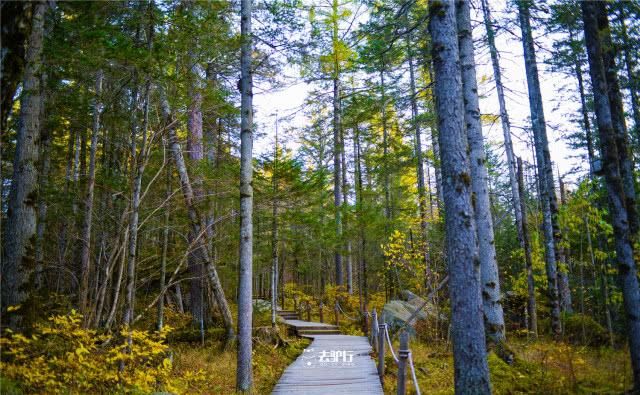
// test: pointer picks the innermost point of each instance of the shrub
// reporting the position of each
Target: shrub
(63, 357)
(594, 333)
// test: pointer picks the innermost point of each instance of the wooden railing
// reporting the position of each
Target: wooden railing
(379, 339)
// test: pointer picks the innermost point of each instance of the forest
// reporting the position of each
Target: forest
(195, 195)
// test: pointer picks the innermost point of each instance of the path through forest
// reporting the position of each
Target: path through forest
(333, 363)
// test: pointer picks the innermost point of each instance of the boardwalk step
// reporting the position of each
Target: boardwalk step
(303, 332)
(306, 376)
(315, 327)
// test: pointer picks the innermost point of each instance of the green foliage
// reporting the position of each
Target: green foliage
(583, 329)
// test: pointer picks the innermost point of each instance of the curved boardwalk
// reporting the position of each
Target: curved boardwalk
(332, 364)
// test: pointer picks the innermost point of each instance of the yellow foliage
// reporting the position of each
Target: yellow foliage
(63, 357)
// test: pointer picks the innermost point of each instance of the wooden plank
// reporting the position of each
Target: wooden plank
(349, 370)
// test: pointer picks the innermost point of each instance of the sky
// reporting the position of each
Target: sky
(557, 90)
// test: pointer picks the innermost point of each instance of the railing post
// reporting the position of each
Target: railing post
(321, 312)
(374, 330)
(308, 311)
(403, 355)
(381, 333)
(365, 322)
(337, 314)
(295, 304)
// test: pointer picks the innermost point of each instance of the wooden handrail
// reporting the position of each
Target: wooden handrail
(379, 333)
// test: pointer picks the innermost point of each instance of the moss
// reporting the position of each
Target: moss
(543, 367)
(9, 387)
(594, 334)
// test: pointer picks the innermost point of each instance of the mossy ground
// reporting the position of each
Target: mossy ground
(541, 367)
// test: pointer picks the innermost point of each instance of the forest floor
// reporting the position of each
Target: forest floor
(541, 367)
(218, 366)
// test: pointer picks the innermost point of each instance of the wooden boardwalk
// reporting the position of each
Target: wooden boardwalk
(332, 364)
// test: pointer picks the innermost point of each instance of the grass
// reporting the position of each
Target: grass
(542, 367)
(217, 366)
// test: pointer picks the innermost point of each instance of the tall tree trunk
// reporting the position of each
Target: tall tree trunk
(434, 136)
(337, 174)
(618, 118)
(165, 247)
(132, 248)
(469, 351)
(360, 208)
(504, 119)
(531, 290)
(116, 295)
(85, 260)
(490, 282)
(274, 234)
(422, 195)
(545, 173)
(630, 66)
(337, 126)
(17, 22)
(345, 203)
(564, 288)
(195, 223)
(21, 215)
(614, 183)
(195, 152)
(385, 152)
(244, 377)
(586, 123)
(45, 166)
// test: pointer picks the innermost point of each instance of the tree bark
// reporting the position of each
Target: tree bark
(630, 65)
(274, 233)
(195, 150)
(614, 182)
(195, 222)
(618, 118)
(337, 174)
(489, 277)
(85, 260)
(360, 209)
(132, 248)
(45, 166)
(504, 119)
(345, 203)
(244, 377)
(422, 195)
(586, 124)
(165, 247)
(531, 290)
(17, 21)
(21, 214)
(545, 173)
(469, 350)
(564, 288)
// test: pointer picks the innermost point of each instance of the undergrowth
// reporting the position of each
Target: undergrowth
(542, 367)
